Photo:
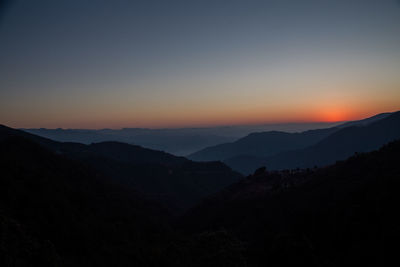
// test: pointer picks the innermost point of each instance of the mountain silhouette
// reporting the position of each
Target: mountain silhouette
(265, 144)
(337, 146)
(366, 121)
(261, 144)
(177, 141)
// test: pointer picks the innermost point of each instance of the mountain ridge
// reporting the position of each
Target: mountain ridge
(263, 144)
(337, 146)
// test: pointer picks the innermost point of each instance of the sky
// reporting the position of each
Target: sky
(157, 64)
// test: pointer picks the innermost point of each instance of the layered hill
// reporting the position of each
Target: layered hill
(176, 181)
(177, 141)
(339, 145)
(261, 144)
(264, 144)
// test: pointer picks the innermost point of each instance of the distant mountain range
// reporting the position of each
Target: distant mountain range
(281, 150)
(176, 181)
(179, 141)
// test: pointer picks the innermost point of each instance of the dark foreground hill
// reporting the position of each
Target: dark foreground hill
(58, 212)
(175, 181)
(342, 215)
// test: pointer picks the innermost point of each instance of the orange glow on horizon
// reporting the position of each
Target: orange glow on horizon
(210, 118)
(334, 115)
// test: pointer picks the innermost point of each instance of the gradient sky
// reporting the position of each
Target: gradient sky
(126, 63)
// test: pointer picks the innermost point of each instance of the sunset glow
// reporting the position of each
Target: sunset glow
(197, 64)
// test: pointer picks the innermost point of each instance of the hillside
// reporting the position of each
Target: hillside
(58, 212)
(341, 215)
